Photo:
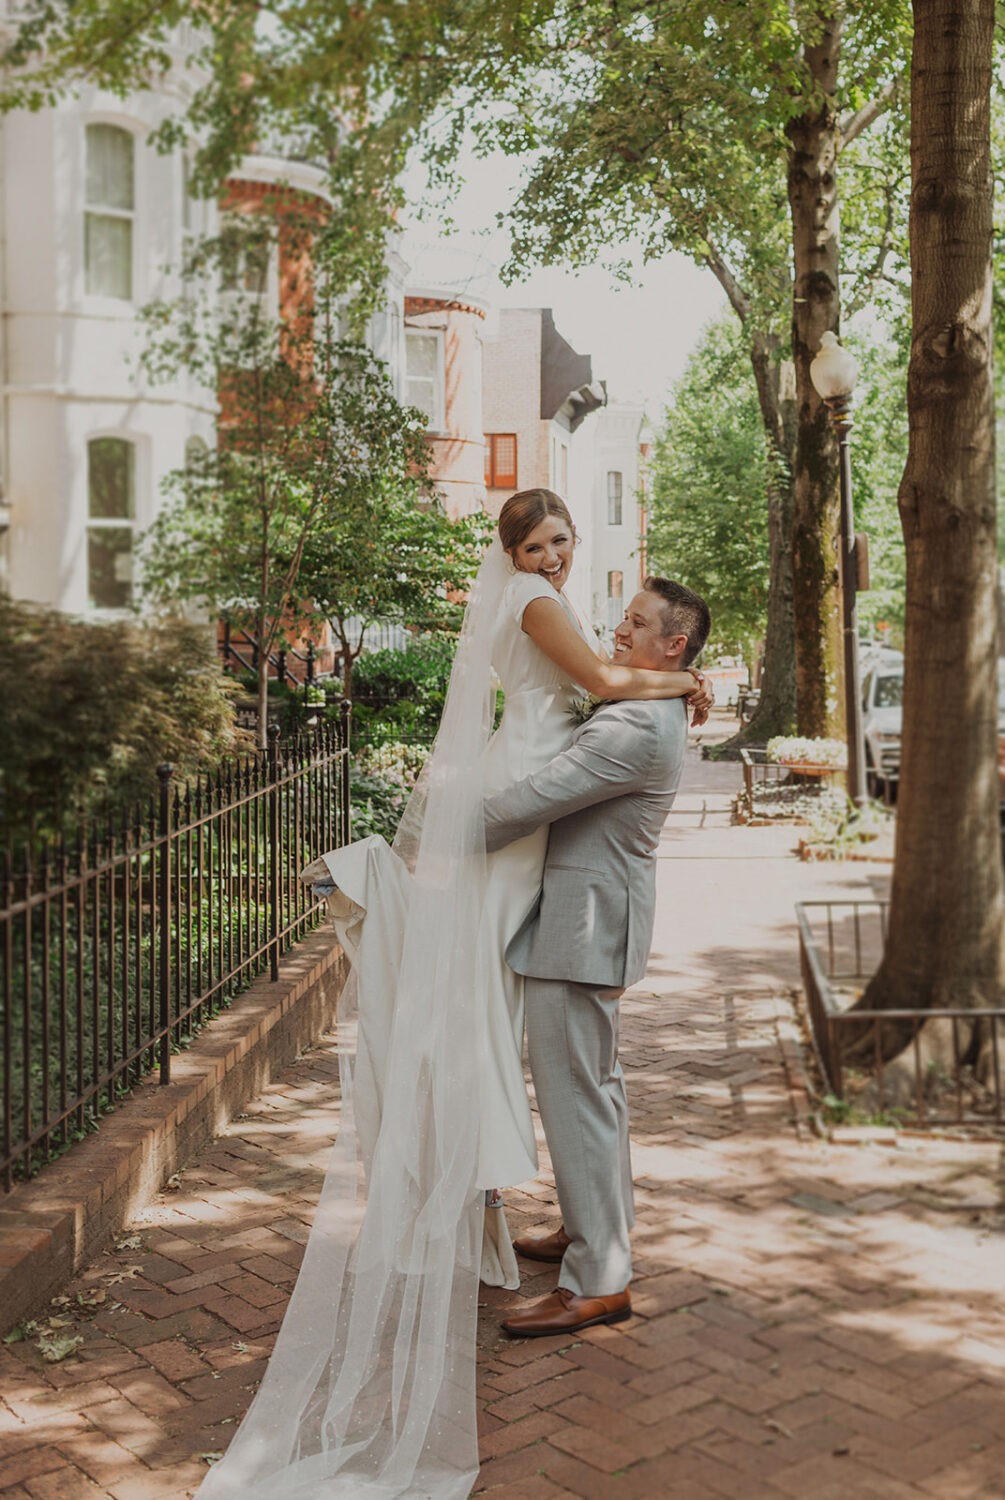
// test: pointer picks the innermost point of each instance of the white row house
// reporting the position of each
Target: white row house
(93, 226)
(92, 218)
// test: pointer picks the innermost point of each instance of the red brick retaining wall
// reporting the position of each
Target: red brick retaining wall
(54, 1224)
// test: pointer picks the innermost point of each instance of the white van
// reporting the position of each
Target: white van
(882, 708)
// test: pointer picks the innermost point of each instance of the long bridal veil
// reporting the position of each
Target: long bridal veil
(370, 1390)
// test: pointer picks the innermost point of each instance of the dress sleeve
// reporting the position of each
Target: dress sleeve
(521, 590)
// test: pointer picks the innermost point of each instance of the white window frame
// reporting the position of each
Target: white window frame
(616, 503)
(241, 296)
(113, 523)
(438, 419)
(133, 216)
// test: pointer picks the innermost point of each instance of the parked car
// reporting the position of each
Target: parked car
(882, 707)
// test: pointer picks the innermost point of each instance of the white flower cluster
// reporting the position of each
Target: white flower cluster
(792, 750)
(393, 761)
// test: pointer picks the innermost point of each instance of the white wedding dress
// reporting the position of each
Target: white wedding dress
(370, 1390)
(372, 884)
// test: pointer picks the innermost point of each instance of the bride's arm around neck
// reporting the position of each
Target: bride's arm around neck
(550, 628)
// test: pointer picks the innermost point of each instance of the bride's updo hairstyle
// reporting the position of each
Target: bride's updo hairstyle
(526, 510)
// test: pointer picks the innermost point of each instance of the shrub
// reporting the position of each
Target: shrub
(399, 695)
(90, 711)
(380, 781)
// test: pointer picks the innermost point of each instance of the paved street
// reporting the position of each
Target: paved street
(811, 1320)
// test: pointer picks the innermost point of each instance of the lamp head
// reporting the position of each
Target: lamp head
(834, 370)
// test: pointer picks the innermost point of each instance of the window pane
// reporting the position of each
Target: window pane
(422, 393)
(422, 355)
(256, 266)
(109, 167)
(615, 584)
(108, 256)
(890, 692)
(488, 461)
(613, 498)
(505, 460)
(110, 567)
(111, 472)
(230, 258)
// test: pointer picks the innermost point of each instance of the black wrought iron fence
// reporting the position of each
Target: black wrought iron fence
(116, 946)
(840, 946)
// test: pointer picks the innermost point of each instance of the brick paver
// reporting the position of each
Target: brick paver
(811, 1319)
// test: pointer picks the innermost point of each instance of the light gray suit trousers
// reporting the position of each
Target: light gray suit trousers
(585, 941)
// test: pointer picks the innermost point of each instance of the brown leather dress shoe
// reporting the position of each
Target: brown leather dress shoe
(566, 1312)
(550, 1247)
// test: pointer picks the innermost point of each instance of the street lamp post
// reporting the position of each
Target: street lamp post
(834, 372)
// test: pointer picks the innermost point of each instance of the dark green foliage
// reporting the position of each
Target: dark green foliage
(399, 695)
(90, 710)
(397, 703)
(423, 667)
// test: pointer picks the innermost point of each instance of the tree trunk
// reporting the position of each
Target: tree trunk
(812, 188)
(775, 711)
(946, 937)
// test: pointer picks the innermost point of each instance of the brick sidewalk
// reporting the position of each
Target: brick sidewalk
(811, 1320)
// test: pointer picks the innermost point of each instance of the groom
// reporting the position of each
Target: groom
(585, 941)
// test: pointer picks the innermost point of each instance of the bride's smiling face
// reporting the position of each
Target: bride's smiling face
(548, 550)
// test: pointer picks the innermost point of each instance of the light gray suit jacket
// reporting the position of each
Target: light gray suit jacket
(606, 798)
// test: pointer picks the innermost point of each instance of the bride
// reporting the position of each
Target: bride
(370, 1391)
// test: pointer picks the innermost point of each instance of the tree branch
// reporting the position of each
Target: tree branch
(860, 119)
(738, 299)
(877, 271)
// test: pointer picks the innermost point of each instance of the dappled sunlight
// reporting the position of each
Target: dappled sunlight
(809, 1318)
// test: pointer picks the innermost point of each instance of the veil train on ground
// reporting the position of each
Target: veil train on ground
(370, 1391)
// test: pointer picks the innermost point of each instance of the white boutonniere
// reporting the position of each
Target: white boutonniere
(582, 709)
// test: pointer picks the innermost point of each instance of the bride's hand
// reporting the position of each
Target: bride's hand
(701, 700)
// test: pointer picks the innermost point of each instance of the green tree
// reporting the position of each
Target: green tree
(708, 521)
(711, 473)
(380, 555)
(309, 427)
(715, 129)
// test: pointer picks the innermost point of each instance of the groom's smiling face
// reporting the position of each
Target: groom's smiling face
(639, 640)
